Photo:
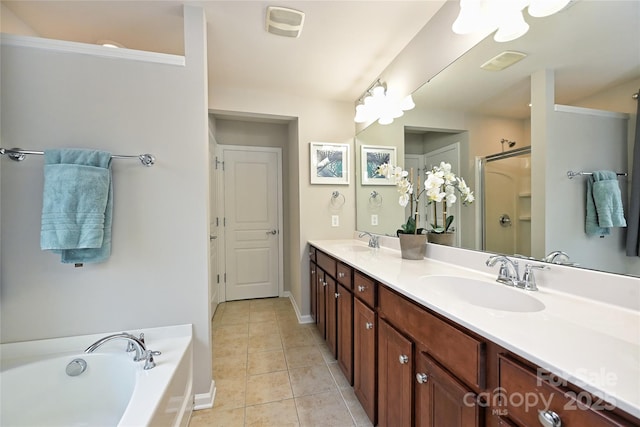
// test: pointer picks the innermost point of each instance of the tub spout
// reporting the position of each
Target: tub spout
(138, 344)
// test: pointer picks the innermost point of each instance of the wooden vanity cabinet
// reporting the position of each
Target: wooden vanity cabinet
(364, 357)
(395, 374)
(313, 282)
(440, 398)
(529, 394)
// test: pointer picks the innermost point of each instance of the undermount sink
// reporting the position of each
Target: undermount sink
(355, 248)
(495, 296)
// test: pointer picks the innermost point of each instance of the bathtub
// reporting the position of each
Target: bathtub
(35, 389)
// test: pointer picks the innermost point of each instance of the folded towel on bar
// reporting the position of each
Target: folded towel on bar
(77, 205)
(604, 204)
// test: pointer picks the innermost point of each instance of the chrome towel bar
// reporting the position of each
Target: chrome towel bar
(18, 154)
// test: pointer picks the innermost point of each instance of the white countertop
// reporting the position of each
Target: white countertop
(593, 345)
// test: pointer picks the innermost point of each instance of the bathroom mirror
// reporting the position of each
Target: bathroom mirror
(484, 113)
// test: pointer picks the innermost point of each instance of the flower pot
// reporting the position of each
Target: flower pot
(442, 238)
(413, 246)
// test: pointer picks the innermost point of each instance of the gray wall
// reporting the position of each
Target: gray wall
(158, 271)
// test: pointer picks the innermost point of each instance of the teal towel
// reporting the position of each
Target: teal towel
(77, 205)
(604, 204)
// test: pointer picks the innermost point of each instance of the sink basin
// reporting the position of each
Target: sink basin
(491, 295)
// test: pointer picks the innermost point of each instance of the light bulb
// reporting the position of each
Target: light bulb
(511, 26)
(470, 17)
(361, 115)
(407, 103)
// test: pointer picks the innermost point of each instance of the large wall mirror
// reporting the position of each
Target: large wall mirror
(516, 156)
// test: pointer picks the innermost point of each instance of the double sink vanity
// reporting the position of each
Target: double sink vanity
(430, 343)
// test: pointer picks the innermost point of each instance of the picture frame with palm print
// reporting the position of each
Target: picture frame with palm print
(372, 157)
(329, 163)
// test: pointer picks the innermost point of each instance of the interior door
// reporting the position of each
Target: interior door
(449, 154)
(252, 199)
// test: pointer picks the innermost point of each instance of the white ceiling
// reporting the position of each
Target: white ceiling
(343, 47)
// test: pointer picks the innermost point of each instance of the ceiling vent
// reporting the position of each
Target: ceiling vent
(285, 22)
(503, 60)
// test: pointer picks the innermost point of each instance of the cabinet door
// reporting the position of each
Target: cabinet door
(395, 374)
(345, 332)
(313, 292)
(320, 303)
(364, 357)
(441, 400)
(331, 302)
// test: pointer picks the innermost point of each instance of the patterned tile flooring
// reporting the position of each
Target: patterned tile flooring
(272, 371)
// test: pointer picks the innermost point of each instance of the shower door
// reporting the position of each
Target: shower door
(506, 201)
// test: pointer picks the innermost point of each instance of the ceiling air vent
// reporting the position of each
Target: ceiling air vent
(284, 22)
(503, 60)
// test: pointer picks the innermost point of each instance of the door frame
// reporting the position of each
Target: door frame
(220, 149)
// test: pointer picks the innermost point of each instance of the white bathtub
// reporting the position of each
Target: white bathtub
(113, 391)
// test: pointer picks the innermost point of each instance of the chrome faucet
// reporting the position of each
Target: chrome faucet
(558, 257)
(508, 273)
(373, 240)
(510, 276)
(137, 344)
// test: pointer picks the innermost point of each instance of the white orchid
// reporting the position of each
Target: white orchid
(441, 186)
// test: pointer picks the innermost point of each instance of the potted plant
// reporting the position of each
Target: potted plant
(412, 238)
(441, 187)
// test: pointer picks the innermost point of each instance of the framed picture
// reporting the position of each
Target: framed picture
(373, 156)
(329, 163)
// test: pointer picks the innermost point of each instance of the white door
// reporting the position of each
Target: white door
(214, 277)
(252, 203)
(449, 154)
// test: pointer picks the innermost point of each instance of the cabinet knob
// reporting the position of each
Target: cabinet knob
(549, 419)
(368, 325)
(337, 295)
(324, 283)
(422, 378)
(362, 288)
(313, 272)
(341, 275)
(403, 359)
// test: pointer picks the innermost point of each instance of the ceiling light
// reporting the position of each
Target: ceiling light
(503, 60)
(505, 16)
(542, 8)
(283, 21)
(377, 104)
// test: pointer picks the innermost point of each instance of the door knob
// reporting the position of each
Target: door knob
(212, 237)
(272, 232)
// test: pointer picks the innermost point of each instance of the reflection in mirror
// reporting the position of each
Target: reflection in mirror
(573, 60)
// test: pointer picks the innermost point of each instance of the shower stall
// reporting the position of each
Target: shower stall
(505, 183)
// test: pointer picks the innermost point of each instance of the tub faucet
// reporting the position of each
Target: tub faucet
(373, 240)
(508, 273)
(137, 343)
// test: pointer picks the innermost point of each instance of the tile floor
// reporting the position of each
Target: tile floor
(272, 371)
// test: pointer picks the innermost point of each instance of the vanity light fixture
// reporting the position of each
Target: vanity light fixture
(504, 16)
(378, 104)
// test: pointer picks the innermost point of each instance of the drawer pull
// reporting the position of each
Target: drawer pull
(422, 378)
(324, 283)
(368, 325)
(403, 359)
(549, 419)
(341, 275)
(337, 295)
(362, 288)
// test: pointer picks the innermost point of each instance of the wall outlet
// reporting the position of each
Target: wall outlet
(374, 219)
(335, 220)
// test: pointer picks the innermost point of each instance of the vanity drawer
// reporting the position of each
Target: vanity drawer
(345, 275)
(327, 263)
(461, 353)
(525, 394)
(364, 289)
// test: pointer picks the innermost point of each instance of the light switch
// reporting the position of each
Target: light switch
(374, 219)
(335, 220)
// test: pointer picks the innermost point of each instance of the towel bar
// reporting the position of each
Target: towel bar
(18, 154)
(572, 174)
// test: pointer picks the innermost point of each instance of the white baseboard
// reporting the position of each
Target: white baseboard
(205, 400)
(301, 318)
